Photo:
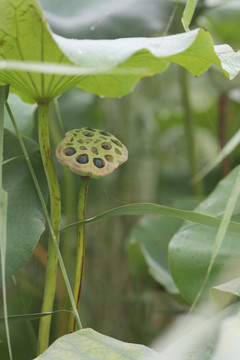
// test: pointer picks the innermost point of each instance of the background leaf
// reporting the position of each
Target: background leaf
(89, 344)
(23, 113)
(191, 248)
(152, 235)
(107, 19)
(25, 222)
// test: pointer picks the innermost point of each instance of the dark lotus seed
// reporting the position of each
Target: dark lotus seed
(106, 147)
(91, 129)
(104, 133)
(88, 134)
(99, 163)
(70, 152)
(116, 142)
(82, 159)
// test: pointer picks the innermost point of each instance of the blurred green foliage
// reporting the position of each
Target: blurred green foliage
(116, 300)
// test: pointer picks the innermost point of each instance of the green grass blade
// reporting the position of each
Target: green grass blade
(34, 316)
(148, 208)
(188, 13)
(3, 220)
(226, 150)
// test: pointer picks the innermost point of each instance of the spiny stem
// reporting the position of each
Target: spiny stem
(55, 218)
(190, 134)
(80, 248)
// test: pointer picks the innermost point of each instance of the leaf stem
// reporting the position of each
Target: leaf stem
(80, 248)
(55, 218)
(45, 210)
(190, 133)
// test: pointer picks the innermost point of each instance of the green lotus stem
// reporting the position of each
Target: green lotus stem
(55, 217)
(3, 222)
(190, 133)
(80, 248)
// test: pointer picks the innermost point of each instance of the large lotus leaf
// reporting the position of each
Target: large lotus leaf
(191, 248)
(25, 220)
(50, 63)
(88, 344)
(107, 19)
(24, 35)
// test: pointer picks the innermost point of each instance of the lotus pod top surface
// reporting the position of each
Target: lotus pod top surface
(91, 152)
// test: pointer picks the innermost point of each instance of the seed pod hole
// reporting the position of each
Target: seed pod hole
(91, 129)
(99, 163)
(104, 133)
(82, 159)
(69, 151)
(94, 150)
(116, 143)
(82, 147)
(118, 152)
(96, 141)
(109, 158)
(88, 134)
(106, 146)
(80, 141)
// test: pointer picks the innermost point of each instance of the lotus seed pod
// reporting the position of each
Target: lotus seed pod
(91, 152)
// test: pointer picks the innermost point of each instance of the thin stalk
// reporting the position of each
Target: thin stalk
(222, 124)
(3, 222)
(69, 210)
(198, 188)
(45, 210)
(80, 248)
(170, 20)
(55, 217)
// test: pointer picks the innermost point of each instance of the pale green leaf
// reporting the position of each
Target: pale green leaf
(225, 293)
(88, 344)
